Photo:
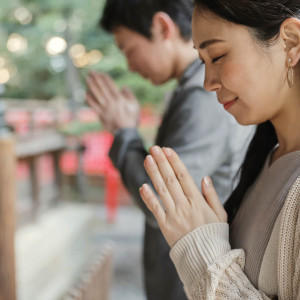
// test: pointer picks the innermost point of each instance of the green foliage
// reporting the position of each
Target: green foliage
(33, 73)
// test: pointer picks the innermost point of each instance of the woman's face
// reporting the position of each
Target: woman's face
(249, 79)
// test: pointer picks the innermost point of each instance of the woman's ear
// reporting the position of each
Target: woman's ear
(290, 33)
(163, 26)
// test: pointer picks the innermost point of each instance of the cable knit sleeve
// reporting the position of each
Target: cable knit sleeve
(209, 268)
(289, 250)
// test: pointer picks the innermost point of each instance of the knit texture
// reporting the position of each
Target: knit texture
(268, 277)
(210, 270)
(289, 246)
(254, 222)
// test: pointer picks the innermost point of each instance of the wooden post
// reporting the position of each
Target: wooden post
(7, 218)
(58, 174)
(35, 186)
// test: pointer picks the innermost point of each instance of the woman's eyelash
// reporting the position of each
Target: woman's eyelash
(213, 61)
(217, 58)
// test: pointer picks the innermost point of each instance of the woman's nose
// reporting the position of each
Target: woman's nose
(212, 82)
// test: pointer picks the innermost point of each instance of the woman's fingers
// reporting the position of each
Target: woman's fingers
(159, 183)
(168, 175)
(187, 183)
(153, 203)
(212, 199)
(185, 207)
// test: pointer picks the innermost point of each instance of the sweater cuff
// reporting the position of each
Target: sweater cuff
(193, 253)
(122, 139)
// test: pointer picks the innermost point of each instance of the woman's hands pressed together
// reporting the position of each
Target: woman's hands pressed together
(182, 208)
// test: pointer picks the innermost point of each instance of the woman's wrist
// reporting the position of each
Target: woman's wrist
(193, 253)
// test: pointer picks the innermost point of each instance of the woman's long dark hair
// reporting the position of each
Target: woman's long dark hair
(263, 18)
(263, 141)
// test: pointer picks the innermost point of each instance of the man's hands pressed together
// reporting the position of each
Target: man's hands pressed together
(116, 108)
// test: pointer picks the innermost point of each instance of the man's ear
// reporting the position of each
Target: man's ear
(163, 26)
(290, 33)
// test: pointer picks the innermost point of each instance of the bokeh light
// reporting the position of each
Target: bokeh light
(95, 56)
(58, 63)
(4, 76)
(76, 51)
(81, 58)
(56, 45)
(23, 15)
(17, 43)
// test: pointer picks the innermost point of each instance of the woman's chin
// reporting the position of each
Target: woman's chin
(244, 120)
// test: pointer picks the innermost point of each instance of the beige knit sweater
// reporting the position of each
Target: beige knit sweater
(210, 270)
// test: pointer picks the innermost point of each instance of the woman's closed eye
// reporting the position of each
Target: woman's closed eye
(217, 58)
(213, 60)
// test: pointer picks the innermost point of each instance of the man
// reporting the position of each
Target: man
(155, 37)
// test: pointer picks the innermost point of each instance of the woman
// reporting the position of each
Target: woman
(251, 50)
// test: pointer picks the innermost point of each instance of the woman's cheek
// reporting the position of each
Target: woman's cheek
(233, 77)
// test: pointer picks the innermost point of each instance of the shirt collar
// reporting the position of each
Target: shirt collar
(190, 71)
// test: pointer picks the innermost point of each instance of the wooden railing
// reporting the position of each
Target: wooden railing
(7, 218)
(95, 283)
(30, 148)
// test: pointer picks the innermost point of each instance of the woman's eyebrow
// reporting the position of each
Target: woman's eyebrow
(210, 42)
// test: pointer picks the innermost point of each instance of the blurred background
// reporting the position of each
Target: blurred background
(76, 226)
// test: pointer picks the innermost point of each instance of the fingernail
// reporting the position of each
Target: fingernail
(155, 150)
(145, 188)
(207, 181)
(150, 159)
(167, 151)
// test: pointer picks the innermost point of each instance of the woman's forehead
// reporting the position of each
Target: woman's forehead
(207, 26)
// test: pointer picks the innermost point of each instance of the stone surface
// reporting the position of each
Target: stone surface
(52, 252)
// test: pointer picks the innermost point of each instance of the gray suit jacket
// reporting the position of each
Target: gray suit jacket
(209, 142)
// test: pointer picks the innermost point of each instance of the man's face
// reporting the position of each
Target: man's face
(147, 57)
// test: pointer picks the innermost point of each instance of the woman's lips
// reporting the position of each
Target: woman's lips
(228, 104)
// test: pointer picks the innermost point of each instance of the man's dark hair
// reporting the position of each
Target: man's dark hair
(137, 15)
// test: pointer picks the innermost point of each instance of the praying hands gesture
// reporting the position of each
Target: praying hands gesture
(116, 108)
(185, 208)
